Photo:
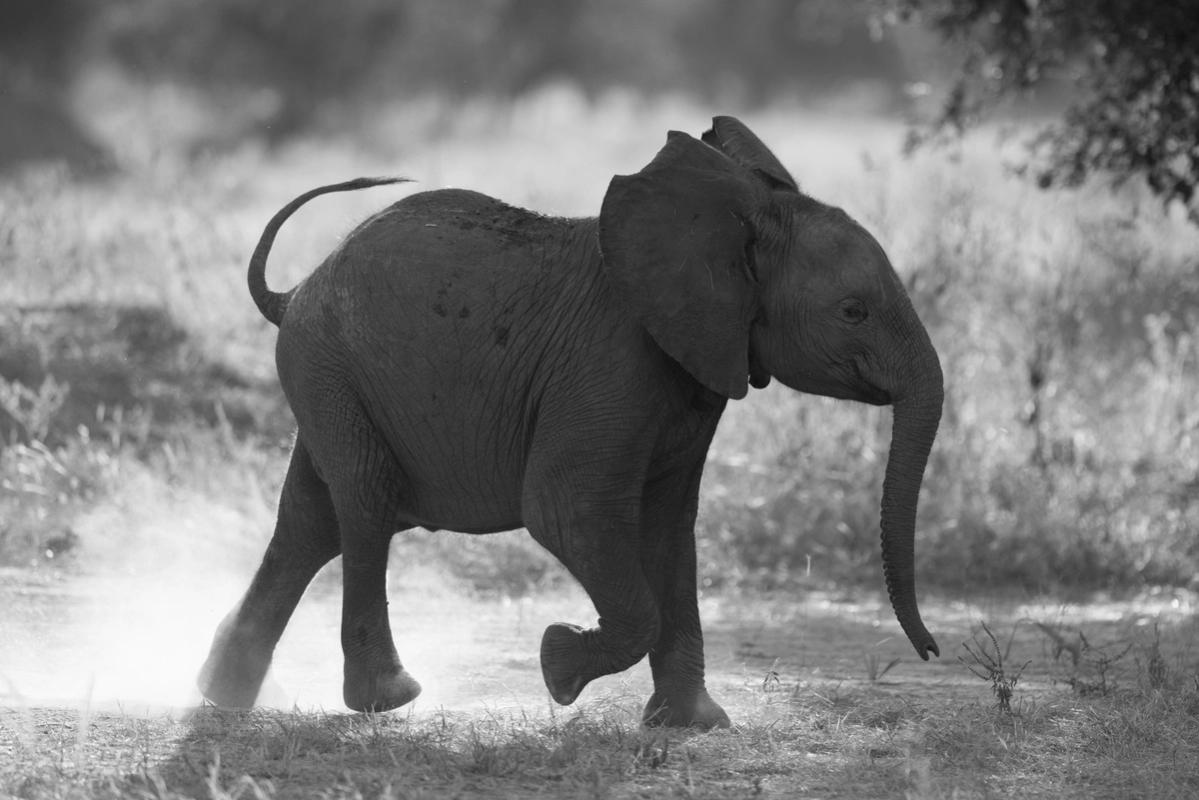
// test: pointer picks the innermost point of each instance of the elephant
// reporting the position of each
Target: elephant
(460, 364)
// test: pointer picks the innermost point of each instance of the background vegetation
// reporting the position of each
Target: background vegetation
(144, 144)
(1134, 107)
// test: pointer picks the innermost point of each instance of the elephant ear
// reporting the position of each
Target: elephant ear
(734, 139)
(676, 242)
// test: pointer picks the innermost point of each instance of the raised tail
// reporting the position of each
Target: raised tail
(274, 304)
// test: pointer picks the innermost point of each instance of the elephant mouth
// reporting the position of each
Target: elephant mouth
(866, 391)
(875, 396)
(844, 382)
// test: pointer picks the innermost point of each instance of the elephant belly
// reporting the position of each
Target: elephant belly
(454, 478)
(455, 422)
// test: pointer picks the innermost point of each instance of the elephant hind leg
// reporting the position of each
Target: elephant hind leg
(375, 679)
(365, 482)
(305, 539)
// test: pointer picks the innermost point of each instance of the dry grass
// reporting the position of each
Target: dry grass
(796, 741)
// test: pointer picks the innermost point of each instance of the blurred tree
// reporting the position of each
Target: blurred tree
(42, 43)
(1133, 68)
(766, 48)
(275, 68)
(39, 40)
(307, 55)
(312, 53)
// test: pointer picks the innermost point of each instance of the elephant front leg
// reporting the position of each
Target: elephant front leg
(680, 698)
(571, 656)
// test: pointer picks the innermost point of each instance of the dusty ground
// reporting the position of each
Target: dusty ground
(96, 697)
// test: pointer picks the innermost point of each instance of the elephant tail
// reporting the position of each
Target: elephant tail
(274, 304)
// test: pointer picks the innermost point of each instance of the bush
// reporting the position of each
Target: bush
(1066, 325)
(1131, 71)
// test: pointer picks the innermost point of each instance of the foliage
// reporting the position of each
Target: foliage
(40, 40)
(1066, 326)
(282, 67)
(503, 48)
(1131, 70)
(43, 490)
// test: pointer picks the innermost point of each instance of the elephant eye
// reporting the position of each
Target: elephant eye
(853, 311)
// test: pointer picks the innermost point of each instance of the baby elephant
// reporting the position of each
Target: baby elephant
(457, 363)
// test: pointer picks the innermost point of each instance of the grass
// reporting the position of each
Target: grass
(811, 739)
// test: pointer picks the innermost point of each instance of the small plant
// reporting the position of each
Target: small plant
(1101, 661)
(1064, 643)
(988, 664)
(33, 409)
(873, 671)
(1090, 665)
(771, 681)
(1156, 668)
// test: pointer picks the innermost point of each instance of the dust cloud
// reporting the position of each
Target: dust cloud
(127, 626)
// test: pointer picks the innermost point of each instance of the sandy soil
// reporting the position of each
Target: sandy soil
(132, 643)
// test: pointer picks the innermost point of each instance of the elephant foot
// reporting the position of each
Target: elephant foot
(672, 711)
(233, 673)
(366, 690)
(564, 661)
(230, 685)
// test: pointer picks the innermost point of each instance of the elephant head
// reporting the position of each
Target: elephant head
(739, 276)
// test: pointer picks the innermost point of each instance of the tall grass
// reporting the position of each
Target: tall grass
(1066, 323)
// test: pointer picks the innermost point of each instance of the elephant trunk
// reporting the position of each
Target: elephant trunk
(917, 413)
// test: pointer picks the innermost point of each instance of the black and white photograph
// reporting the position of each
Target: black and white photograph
(601, 399)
